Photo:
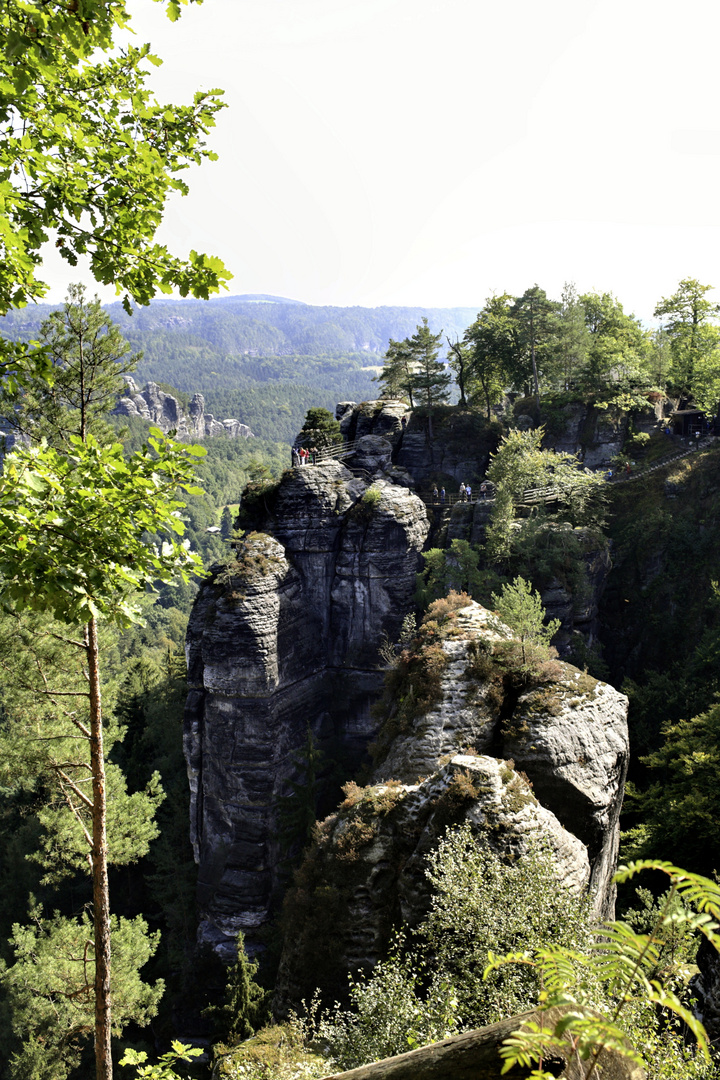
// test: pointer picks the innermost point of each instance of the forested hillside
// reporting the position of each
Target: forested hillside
(264, 362)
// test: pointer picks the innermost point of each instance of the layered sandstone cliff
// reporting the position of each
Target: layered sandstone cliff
(165, 411)
(527, 754)
(284, 639)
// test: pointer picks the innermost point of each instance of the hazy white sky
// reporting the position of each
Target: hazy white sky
(432, 152)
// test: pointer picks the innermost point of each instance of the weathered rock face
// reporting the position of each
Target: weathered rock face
(522, 761)
(366, 871)
(597, 435)
(453, 451)
(166, 412)
(284, 639)
(569, 736)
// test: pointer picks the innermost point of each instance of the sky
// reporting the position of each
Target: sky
(434, 152)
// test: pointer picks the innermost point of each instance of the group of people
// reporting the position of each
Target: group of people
(464, 492)
(303, 456)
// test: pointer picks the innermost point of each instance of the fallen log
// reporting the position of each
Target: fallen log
(474, 1055)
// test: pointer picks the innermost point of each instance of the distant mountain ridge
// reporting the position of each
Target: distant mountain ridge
(263, 359)
(258, 324)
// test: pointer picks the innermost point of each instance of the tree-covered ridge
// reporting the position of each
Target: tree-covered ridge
(235, 326)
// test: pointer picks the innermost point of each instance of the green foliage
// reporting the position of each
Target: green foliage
(320, 430)
(226, 523)
(694, 341)
(480, 900)
(451, 569)
(88, 357)
(432, 984)
(163, 1069)
(71, 525)
(617, 349)
(629, 966)
(429, 380)
(412, 370)
(492, 342)
(396, 375)
(97, 156)
(49, 995)
(519, 465)
(246, 1006)
(403, 1004)
(521, 608)
(282, 1051)
(532, 316)
(679, 805)
(367, 505)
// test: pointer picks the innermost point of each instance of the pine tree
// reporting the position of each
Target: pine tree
(226, 524)
(74, 519)
(397, 373)
(521, 608)
(88, 359)
(430, 379)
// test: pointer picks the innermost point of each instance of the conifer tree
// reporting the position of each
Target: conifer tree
(396, 376)
(521, 608)
(245, 1009)
(88, 358)
(430, 379)
(74, 523)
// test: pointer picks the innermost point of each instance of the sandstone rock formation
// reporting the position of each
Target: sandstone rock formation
(166, 412)
(567, 733)
(283, 639)
(366, 871)
(525, 755)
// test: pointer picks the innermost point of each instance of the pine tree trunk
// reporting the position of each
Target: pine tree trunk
(101, 893)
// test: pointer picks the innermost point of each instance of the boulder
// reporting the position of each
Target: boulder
(368, 862)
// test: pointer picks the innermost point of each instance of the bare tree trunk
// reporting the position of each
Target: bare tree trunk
(101, 892)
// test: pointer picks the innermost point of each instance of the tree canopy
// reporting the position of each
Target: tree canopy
(88, 157)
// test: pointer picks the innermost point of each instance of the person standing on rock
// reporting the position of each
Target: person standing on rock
(295, 458)
(462, 492)
(468, 490)
(442, 495)
(435, 494)
(483, 490)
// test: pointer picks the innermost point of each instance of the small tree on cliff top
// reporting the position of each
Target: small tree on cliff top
(522, 609)
(72, 528)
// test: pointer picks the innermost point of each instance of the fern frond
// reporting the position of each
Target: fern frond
(666, 999)
(621, 955)
(695, 889)
(495, 962)
(530, 1045)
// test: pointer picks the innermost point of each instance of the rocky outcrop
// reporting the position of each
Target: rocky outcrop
(568, 733)
(460, 447)
(597, 435)
(165, 411)
(365, 873)
(284, 639)
(526, 753)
